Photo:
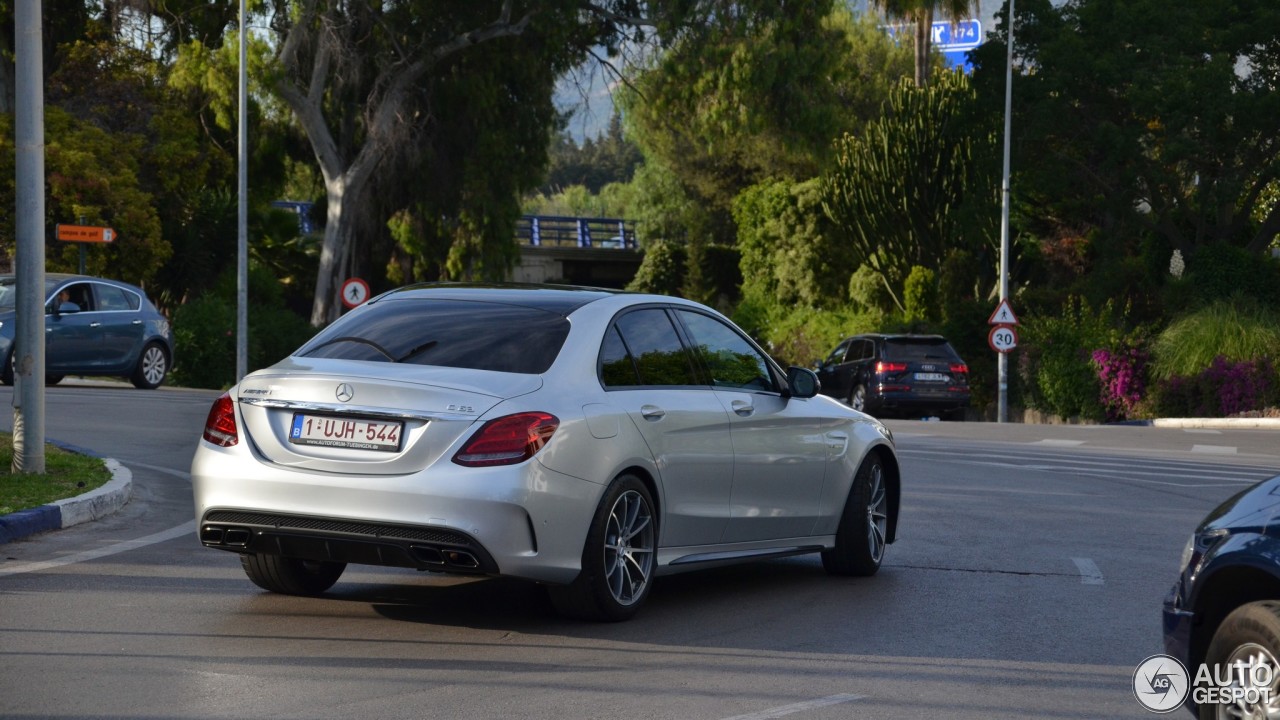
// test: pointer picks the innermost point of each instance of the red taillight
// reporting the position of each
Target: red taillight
(888, 367)
(220, 427)
(959, 369)
(508, 440)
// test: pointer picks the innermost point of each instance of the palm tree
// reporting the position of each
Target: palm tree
(920, 14)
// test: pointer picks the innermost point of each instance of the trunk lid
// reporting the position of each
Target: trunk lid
(366, 418)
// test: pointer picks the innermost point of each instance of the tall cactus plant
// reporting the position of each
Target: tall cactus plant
(919, 181)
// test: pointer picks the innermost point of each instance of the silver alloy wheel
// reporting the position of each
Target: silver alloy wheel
(153, 364)
(628, 547)
(1249, 656)
(877, 512)
(858, 398)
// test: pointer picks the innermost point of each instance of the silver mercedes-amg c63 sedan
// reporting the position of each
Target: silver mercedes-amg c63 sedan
(585, 439)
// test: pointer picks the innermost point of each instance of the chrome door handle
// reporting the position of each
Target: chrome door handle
(742, 407)
(95, 324)
(137, 322)
(653, 413)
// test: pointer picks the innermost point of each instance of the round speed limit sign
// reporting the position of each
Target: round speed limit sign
(1003, 338)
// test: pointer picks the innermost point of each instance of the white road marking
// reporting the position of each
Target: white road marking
(1214, 449)
(187, 528)
(798, 707)
(1058, 443)
(1089, 572)
(1202, 431)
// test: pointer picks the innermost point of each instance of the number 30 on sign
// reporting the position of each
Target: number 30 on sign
(1003, 338)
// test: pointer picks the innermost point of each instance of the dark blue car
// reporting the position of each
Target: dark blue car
(1224, 611)
(93, 326)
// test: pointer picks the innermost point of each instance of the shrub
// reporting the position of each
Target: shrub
(798, 336)
(1237, 329)
(920, 294)
(1223, 389)
(1122, 377)
(1056, 365)
(204, 332)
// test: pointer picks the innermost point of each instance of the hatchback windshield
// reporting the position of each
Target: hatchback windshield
(918, 350)
(447, 333)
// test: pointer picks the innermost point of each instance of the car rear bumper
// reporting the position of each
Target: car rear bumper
(904, 400)
(524, 520)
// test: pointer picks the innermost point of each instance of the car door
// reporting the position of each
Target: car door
(648, 371)
(834, 383)
(780, 450)
(120, 323)
(73, 339)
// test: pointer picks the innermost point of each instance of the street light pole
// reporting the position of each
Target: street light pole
(28, 351)
(1003, 413)
(242, 224)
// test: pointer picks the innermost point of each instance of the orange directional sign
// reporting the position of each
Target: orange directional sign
(85, 233)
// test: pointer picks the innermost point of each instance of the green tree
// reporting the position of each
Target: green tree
(1147, 118)
(917, 183)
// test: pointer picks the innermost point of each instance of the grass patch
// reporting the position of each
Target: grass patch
(67, 475)
(1238, 329)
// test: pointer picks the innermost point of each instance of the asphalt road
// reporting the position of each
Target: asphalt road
(1026, 583)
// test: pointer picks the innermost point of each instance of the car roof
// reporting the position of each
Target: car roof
(560, 299)
(900, 336)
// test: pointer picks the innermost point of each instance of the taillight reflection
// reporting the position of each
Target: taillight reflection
(220, 428)
(508, 440)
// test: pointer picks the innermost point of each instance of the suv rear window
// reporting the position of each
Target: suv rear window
(919, 350)
(445, 333)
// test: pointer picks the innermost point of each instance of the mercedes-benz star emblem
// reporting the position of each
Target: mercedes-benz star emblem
(345, 392)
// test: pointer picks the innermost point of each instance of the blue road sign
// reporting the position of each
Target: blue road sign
(963, 35)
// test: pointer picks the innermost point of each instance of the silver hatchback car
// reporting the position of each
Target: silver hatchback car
(585, 439)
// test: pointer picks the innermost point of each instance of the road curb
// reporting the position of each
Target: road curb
(95, 504)
(1209, 423)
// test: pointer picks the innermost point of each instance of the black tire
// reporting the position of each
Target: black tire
(617, 571)
(954, 415)
(1251, 633)
(864, 524)
(858, 397)
(53, 379)
(291, 576)
(153, 367)
(6, 372)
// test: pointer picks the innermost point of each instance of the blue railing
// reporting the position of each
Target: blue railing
(558, 231)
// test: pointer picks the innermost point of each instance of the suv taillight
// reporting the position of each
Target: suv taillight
(508, 440)
(220, 427)
(959, 369)
(884, 368)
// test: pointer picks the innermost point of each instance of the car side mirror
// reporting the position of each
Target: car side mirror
(818, 364)
(803, 382)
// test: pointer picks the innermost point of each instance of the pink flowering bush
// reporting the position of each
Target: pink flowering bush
(1122, 380)
(1223, 389)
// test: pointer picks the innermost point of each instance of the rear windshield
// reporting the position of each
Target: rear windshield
(918, 350)
(445, 333)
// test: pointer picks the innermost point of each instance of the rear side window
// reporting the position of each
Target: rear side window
(445, 333)
(653, 350)
(113, 298)
(919, 350)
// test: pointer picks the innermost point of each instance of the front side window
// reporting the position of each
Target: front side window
(730, 359)
(655, 349)
(445, 333)
(837, 355)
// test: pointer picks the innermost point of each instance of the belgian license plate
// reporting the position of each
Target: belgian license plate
(931, 377)
(345, 432)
